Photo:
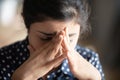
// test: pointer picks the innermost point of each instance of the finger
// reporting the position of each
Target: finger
(66, 44)
(57, 61)
(50, 65)
(59, 52)
(67, 35)
(49, 49)
(30, 48)
(56, 47)
(52, 42)
(58, 55)
(66, 40)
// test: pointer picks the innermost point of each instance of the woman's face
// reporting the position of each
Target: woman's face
(41, 33)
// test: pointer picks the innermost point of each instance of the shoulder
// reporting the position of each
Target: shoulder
(11, 57)
(14, 49)
(14, 46)
(92, 57)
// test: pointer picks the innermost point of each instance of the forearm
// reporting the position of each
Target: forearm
(92, 74)
(19, 76)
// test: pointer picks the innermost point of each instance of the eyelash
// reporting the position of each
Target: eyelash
(50, 38)
(46, 39)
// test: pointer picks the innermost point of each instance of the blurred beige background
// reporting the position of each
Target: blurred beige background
(12, 28)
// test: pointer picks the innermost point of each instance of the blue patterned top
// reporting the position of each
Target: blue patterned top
(12, 56)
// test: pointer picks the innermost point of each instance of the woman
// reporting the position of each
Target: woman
(50, 52)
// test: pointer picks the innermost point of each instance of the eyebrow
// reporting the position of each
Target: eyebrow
(72, 34)
(54, 33)
(48, 34)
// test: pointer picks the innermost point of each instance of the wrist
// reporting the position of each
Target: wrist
(18, 75)
(95, 75)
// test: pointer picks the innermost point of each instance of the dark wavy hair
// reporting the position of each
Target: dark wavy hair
(42, 10)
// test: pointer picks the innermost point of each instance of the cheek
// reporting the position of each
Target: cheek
(35, 41)
(73, 41)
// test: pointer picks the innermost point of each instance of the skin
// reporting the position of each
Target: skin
(63, 38)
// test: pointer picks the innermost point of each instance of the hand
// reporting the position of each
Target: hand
(80, 67)
(40, 61)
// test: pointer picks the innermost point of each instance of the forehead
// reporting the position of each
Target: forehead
(52, 26)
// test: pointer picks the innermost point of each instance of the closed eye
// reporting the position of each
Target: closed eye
(46, 39)
(70, 35)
